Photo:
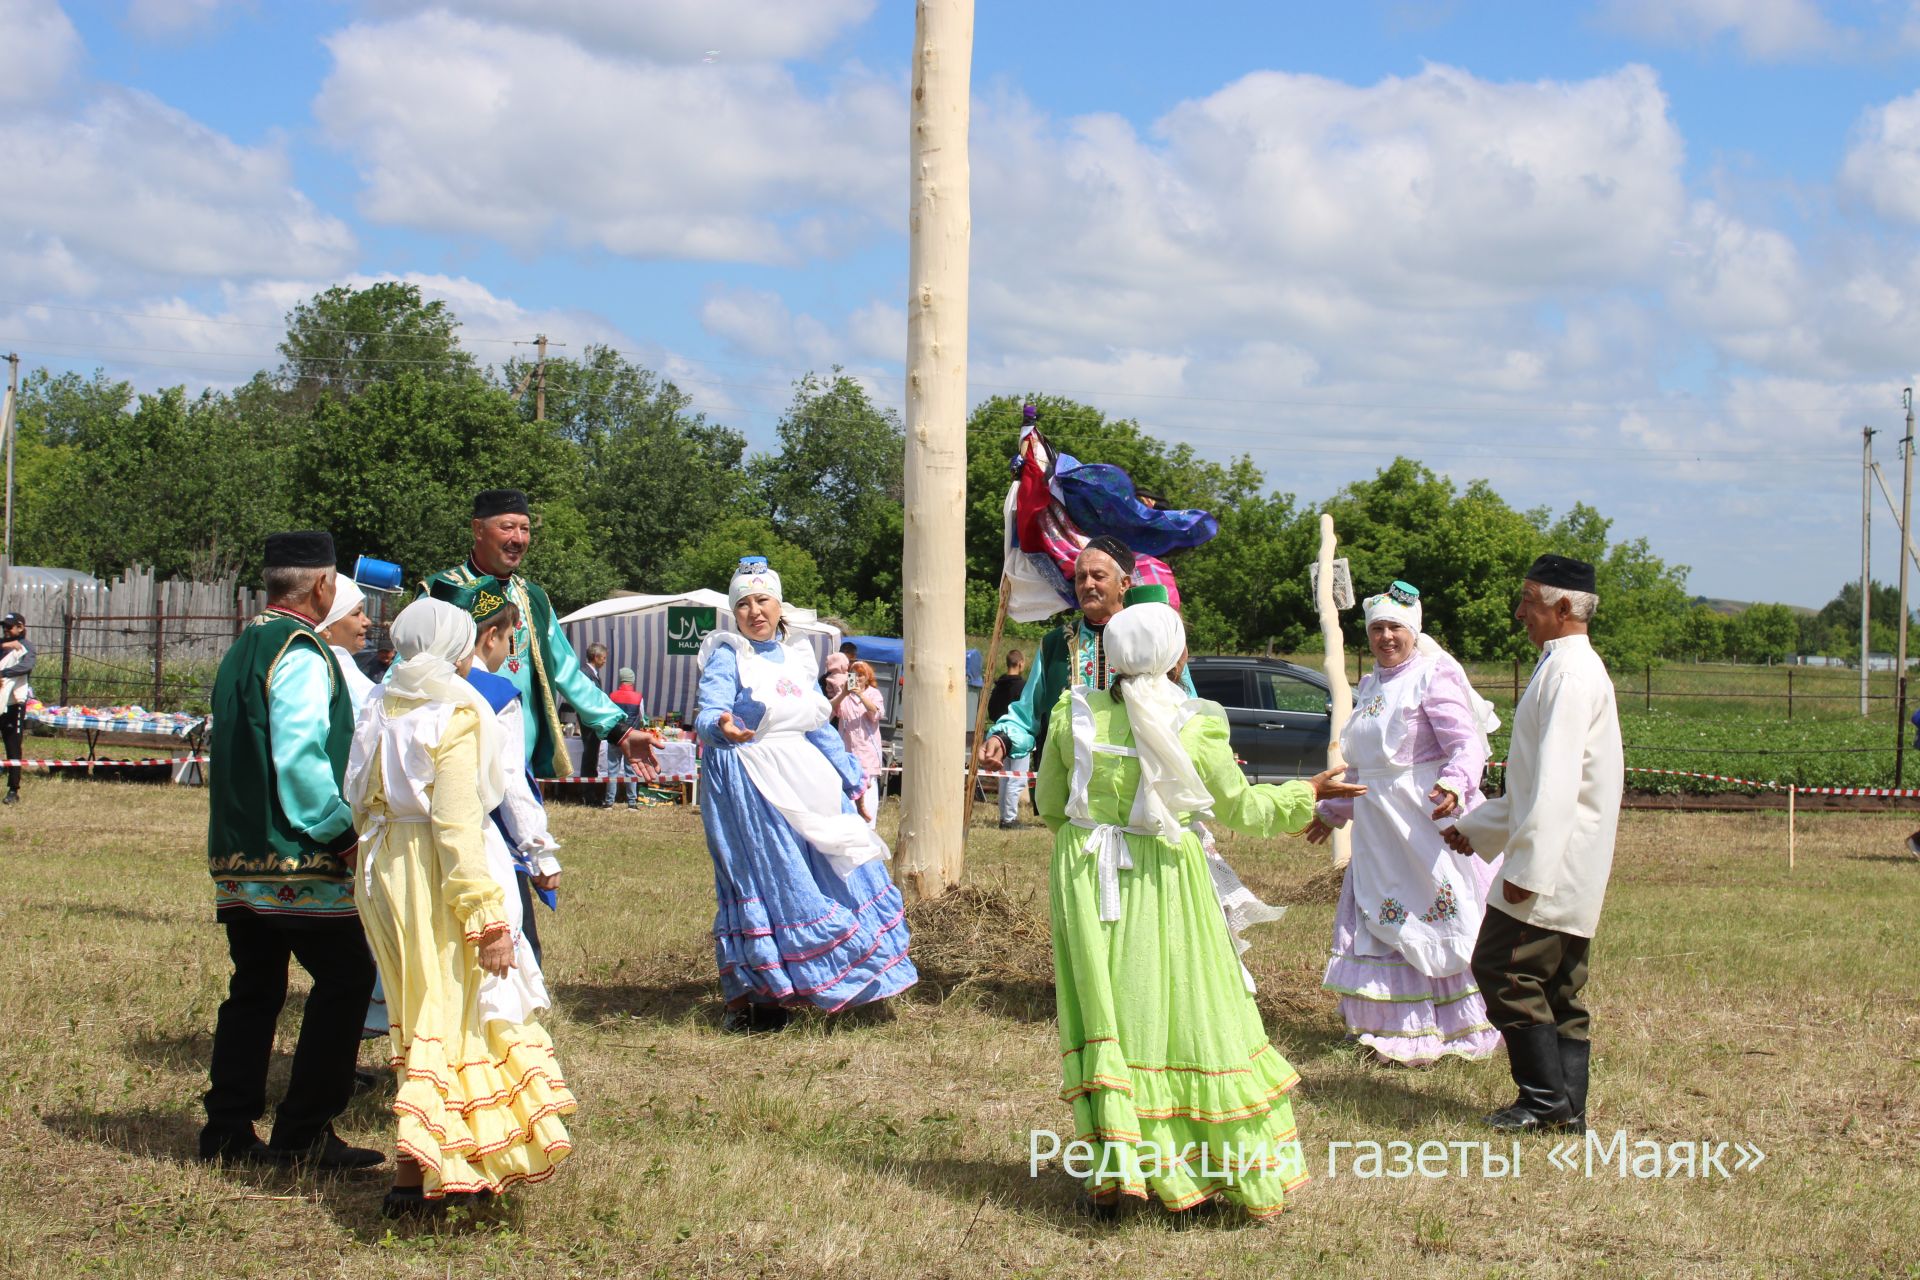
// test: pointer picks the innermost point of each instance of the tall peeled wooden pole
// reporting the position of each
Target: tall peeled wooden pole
(1339, 692)
(934, 565)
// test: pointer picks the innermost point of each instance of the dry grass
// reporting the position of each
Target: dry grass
(1733, 1000)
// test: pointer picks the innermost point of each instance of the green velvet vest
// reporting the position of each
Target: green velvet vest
(248, 836)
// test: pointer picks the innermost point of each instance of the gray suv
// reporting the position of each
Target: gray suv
(1279, 713)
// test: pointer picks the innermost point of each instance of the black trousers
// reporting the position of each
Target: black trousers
(334, 953)
(527, 925)
(589, 754)
(11, 725)
(1531, 976)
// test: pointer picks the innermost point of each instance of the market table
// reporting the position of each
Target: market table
(93, 722)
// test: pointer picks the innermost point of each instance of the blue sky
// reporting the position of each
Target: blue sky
(1661, 256)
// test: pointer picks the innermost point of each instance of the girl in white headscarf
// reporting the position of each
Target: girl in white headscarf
(480, 1095)
(1165, 1060)
(1410, 908)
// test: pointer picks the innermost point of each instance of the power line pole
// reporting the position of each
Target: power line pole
(1866, 559)
(12, 413)
(1906, 539)
(538, 376)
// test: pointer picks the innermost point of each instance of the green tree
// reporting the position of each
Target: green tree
(344, 340)
(710, 559)
(1765, 633)
(1706, 635)
(835, 487)
(392, 472)
(655, 474)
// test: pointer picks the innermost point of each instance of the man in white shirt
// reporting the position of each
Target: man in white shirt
(1556, 825)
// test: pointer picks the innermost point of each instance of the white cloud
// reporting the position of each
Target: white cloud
(677, 30)
(1770, 30)
(1882, 165)
(38, 47)
(1298, 206)
(134, 191)
(529, 138)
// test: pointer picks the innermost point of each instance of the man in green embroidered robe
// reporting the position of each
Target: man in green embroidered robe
(542, 664)
(280, 844)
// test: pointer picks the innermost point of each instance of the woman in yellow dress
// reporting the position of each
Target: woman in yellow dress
(480, 1094)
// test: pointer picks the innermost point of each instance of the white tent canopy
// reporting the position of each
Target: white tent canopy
(634, 629)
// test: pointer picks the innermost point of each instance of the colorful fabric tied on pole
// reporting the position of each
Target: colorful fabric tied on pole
(1058, 502)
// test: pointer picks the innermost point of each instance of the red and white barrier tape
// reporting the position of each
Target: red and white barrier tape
(100, 764)
(1884, 792)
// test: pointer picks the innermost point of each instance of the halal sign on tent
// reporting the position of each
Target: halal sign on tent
(659, 637)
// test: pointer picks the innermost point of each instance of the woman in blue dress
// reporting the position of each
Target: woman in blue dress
(807, 913)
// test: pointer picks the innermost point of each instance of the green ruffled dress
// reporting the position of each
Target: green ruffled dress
(1163, 1056)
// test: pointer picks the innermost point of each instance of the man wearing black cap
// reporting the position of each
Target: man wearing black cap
(1555, 824)
(16, 661)
(280, 841)
(543, 665)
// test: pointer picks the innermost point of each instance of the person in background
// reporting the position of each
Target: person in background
(628, 699)
(374, 660)
(595, 668)
(856, 709)
(16, 661)
(1005, 690)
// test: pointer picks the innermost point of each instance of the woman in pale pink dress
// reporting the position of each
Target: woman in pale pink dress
(856, 709)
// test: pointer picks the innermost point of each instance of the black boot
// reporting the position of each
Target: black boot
(1574, 1055)
(1533, 1055)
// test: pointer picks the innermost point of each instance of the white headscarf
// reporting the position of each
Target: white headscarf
(1385, 606)
(347, 596)
(430, 637)
(1144, 642)
(756, 581)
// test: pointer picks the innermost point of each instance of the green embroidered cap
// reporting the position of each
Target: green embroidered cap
(1147, 593)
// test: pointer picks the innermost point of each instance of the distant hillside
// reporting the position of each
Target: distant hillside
(1732, 607)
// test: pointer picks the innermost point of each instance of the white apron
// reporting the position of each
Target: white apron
(1415, 895)
(790, 773)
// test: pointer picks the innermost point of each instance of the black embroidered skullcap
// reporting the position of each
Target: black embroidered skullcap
(1112, 546)
(1563, 572)
(304, 549)
(489, 503)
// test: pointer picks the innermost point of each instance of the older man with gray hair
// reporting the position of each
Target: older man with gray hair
(1556, 824)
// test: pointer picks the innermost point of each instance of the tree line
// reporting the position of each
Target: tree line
(380, 426)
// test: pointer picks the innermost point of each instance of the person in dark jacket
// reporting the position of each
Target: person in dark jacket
(16, 661)
(1005, 690)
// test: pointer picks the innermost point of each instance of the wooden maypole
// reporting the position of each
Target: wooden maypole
(934, 565)
(1339, 692)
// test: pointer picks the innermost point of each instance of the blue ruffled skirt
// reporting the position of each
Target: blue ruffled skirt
(789, 930)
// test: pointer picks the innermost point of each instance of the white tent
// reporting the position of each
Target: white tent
(634, 629)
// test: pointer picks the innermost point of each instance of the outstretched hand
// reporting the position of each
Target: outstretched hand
(637, 745)
(733, 732)
(1327, 785)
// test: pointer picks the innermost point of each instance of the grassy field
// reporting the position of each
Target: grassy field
(1733, 1001)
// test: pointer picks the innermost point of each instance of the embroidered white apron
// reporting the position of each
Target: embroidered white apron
(790, 773)
(1415, 895)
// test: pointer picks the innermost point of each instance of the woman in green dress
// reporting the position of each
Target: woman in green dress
(1186, 1100)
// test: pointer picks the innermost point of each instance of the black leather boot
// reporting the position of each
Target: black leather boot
(1574, 1056)
(1533, 1055)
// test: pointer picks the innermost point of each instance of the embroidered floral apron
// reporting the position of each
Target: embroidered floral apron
(1414, 895)
(790, 773)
